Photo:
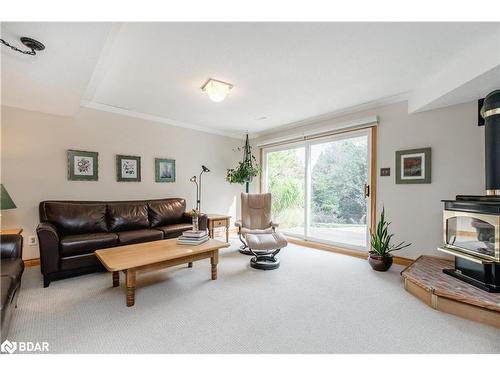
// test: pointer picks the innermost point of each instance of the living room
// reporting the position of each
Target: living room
(250, 187)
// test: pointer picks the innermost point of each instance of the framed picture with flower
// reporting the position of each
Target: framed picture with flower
(82, 165)
(128, 168)
(165, 170)
(413, 166)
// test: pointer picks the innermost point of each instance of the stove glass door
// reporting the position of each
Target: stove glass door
(471, 234)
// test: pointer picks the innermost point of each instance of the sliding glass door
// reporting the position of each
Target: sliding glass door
(286, 181)
(320, 188)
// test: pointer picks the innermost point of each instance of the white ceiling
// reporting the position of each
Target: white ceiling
(54, 80)
(285, 72)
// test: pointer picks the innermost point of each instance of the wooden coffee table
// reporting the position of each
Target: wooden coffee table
(154, 255)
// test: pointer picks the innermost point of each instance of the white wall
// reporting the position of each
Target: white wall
(33, 161)
(457, 166)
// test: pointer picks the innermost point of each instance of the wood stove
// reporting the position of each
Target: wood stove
(471, 224)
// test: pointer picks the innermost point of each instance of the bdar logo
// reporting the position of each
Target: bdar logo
(8, 347)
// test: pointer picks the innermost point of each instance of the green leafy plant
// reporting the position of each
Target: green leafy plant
(246, 170)
(381, 239)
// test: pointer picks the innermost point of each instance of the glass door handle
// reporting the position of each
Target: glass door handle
(367, 191)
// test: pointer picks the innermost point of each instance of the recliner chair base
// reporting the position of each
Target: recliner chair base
(265, 262)
(248, 251)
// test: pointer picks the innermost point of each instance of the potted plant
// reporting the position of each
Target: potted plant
(379, 257)
(246, 170)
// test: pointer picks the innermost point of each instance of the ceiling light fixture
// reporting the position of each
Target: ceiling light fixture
(216, 90)
(32, 44)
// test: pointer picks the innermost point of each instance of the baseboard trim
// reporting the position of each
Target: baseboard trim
(31, 262)
(339, 250)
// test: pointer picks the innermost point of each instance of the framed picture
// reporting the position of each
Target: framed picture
(165, 170)
(128, 168)
(413, 166)
(82, 165)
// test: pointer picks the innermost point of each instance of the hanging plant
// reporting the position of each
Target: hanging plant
(246, 170)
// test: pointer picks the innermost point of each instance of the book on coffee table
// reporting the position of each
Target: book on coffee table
(194, 233)
(183, 240)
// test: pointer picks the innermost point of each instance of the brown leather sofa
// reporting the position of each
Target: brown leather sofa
(70, 231)
(11, 271)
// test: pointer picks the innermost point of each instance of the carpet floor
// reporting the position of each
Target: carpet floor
(316, 302)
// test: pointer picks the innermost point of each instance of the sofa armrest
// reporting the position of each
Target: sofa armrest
(48, 240)
(11, 246)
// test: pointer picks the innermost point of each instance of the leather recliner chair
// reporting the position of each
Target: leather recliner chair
(255, 218)
(11, 271)
(258, 233)
(70, 231)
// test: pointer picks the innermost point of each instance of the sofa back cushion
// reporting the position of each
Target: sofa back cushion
(127, 216)
(75, 217)
(166, 211)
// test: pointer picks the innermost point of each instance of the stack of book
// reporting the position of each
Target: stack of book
(193, 237)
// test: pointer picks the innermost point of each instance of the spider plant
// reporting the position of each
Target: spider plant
(246, 169)
(381, 239)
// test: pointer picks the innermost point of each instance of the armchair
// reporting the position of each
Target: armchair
(11, 271)
(257, 232)
(255, 218)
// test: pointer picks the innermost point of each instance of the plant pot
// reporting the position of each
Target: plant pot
(379, 263)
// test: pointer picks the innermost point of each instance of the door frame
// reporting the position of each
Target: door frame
(371, 133)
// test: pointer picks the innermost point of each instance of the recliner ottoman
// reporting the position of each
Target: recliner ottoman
(268, 245)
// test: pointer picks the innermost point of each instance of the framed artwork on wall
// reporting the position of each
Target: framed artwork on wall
(82, 165)
(128, 168)
(413, 166)
(165, 170)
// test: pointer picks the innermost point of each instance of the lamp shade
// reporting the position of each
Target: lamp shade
(6, 202)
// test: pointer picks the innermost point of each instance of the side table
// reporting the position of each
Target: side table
(218, 221)
(11, 231)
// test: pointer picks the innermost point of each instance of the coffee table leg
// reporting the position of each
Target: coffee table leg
(130, 276)
(190, 264)
(213, 262)
(116, 279)
(227, 231)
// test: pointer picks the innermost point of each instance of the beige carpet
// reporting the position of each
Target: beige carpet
(317, 302)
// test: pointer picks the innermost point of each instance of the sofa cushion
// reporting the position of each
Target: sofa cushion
(75, 218)
(174, 230)
(137, 236)
(86, 243)
(13, 268)
(167, 211)
(86, 262)
(127, 216)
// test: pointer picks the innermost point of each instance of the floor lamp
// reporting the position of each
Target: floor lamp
(198, 183)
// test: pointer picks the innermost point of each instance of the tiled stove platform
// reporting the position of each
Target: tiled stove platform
(425, 279)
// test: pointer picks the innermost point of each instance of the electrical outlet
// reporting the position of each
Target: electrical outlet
(32, 240)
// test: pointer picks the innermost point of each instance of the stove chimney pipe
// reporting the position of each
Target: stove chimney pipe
(491, 115)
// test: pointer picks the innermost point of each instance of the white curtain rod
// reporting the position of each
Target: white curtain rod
(325, 130)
